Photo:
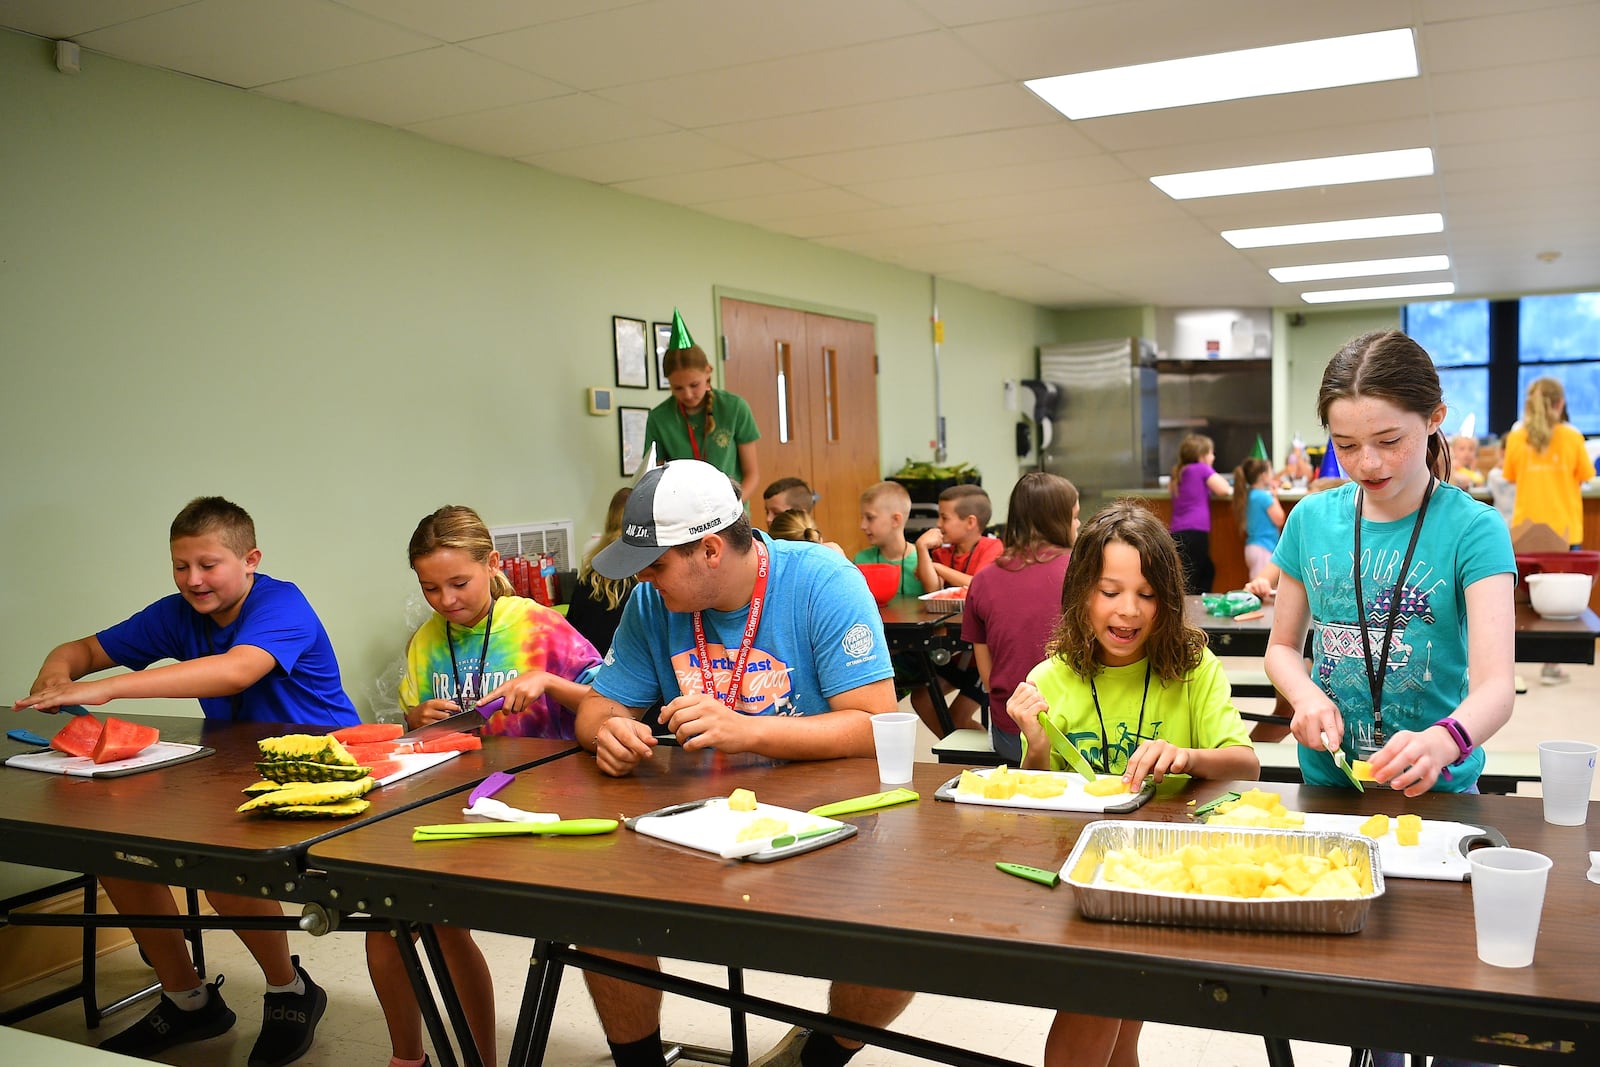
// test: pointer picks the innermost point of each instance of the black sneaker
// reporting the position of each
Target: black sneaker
(289, 1023)
(166, 1025)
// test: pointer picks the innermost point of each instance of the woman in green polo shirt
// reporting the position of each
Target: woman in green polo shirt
(699, 422)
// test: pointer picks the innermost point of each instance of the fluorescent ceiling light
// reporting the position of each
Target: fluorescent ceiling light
(1306, 233)
(1380, 292)
(1280, 68)
(1298, 174)
(1365, 268)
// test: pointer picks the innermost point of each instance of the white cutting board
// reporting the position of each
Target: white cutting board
(714, 827)
(1437, 855)
(412, 762)
(159, 754)
(1074, 799)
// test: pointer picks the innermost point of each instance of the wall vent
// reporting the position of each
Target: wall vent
(531, 538)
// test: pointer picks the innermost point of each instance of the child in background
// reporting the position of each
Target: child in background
(1297, 470)
(884, 507)
(251, 649)
(1548, 463)
(597, 601)
(1013, 606)
(482, 642)
(1194, 482)
(1257, 511)
(1491, 457)
(1464, 462)
(948, 556)
(1136, 689)
(797, 524)
(699, 423)
(787, 494)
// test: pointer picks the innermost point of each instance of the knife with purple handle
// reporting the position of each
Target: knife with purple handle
(489, 787)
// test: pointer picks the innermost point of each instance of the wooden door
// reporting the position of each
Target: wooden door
(811, 382)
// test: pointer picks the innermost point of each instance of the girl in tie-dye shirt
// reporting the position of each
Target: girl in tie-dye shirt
(483, 641)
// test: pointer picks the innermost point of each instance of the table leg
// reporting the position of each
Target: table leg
(452, 1002)
(442, 1049)
(532, 1035)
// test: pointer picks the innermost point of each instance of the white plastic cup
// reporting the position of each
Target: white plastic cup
(894, 737)
(1566, 769)
(1507, 899)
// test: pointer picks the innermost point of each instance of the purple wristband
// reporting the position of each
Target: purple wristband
(1459, 735)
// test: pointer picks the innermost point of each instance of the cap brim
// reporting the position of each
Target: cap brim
(622, 560)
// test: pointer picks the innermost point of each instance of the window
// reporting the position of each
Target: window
(1456, 335)
(1559, 337)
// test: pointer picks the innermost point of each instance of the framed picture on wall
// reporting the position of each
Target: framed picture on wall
(633, 368)
(630, 424)
(663, 335)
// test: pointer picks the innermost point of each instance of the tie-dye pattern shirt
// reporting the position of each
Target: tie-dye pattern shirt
(526, 636)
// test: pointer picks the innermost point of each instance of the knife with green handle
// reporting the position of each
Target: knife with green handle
(1032, 874)
(462, 830)
(871, 801)
(1066, 749)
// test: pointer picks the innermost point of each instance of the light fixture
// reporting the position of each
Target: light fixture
(1307, 233)
(1298, 174)
(1281, 68)
(1380, 292)
(1364, 268)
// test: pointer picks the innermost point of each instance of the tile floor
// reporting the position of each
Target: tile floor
(352, 1033)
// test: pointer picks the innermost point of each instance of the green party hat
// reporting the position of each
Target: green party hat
(1260, 451)
(680, 333)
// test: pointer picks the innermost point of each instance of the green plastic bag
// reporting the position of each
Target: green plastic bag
(1230, 604)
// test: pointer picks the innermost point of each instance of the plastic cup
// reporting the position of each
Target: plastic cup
(894, 737)
(1507, 899)
(1567, 772)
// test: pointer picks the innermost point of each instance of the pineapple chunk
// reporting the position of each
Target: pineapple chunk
(1105, 786)
(741, 800)
(1408, 829)
(1361, 769)
(762, 827)
(1376, 827)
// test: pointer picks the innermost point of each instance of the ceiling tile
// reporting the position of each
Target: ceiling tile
(763, 210)
(971, 151)
(639, 157)
(910, 118)
(245, 43)
(839, 223)
(726, 183)
(542, 126)
(994, 181)
(885, 70)
(415, 87)
(57, 19)
(1568, 118)
(623, 46)
(1233, 149)
(463, 20)
(1510, 38)
(1527, 83)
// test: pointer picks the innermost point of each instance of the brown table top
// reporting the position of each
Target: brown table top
(178, 823)
(911, 612)
(914, 901)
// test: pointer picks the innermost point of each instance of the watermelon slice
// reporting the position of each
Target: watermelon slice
(122, 739)
(370, 753)
(368, 733)
(450, 743)
(78, 737)
(381, 769)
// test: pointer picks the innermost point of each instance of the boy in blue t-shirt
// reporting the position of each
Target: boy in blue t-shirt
(250, 649)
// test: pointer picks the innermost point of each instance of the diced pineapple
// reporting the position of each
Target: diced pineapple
(1408, 829)
(1376, 827)
(1361, 769)
(762, 828)
(1105, 786)
(741, 800)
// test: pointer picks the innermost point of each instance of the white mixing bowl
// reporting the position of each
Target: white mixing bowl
(1559, 595)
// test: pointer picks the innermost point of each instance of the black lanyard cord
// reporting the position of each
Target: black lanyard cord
(1376, 674)
(1105, 741)
(483, 659)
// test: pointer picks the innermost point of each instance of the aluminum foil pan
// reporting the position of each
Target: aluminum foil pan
(1096, 900)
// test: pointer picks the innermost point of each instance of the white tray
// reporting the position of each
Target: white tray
(160, 754)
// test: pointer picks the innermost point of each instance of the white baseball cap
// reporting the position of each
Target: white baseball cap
(673, 504)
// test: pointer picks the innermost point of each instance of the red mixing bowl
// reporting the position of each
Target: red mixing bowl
(883, 580)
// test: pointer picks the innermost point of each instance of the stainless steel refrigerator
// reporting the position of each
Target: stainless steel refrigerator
(1105, 430)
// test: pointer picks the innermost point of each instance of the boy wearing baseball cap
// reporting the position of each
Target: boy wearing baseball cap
(785, 646)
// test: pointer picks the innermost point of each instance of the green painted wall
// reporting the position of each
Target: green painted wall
(1306, 353)
(342, 327)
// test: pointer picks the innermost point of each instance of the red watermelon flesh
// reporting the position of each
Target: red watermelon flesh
(450, 743)
(381, 769)
(371, 753)
(368, 733)
(121, 739)
(78, 737)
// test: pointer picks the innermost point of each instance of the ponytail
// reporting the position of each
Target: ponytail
(1439, 455)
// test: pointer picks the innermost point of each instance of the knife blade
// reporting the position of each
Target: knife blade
(464, 830)
(1067, 750)
(870, 802)
(1340, 762)
(461, 721)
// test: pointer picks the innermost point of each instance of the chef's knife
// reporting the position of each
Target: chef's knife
(462, 830)
(461, 721)
(1067, 750)
(870, 802)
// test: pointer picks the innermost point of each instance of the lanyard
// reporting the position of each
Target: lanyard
(688, 427)
(758, 599)
(1105, 742)
(466, 694)
(962, 567)
(1375, 674)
